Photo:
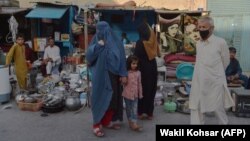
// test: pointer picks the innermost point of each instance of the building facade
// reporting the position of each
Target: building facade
(168, 4)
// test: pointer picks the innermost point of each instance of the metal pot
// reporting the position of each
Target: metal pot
(73, 103)
(183, 105)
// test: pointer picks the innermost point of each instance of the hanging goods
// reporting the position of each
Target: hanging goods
(13, 27)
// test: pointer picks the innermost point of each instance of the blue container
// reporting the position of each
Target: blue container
(184, 71)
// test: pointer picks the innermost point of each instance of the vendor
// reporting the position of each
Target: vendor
(52, 58)
(234, 71)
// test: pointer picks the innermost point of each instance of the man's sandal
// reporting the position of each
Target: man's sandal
(98, 132)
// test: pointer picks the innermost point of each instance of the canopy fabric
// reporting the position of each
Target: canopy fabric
(47, 12)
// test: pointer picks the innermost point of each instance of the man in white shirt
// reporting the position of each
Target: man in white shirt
(209, 92)
(52, 58)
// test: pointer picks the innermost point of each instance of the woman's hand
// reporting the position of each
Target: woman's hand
(123, 80)
(101, 42)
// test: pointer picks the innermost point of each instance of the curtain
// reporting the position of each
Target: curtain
(225, 27)
(245, 44)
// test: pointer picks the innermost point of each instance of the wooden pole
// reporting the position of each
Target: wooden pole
(85, 50)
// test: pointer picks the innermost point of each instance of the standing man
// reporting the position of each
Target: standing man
(52, 58)
(209, 92)
(17, 52)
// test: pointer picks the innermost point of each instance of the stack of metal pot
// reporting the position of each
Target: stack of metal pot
(72, 101)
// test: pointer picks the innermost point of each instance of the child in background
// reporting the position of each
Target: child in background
(132, 91)
(17, 53)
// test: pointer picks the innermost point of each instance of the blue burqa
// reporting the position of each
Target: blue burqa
(103, 59)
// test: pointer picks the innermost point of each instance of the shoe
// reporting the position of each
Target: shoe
(98, 132)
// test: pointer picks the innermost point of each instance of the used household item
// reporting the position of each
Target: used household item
(185, 90)
(167, 90)
(183, 105)
(83, 98)
(5, 87)
(73, 103)
(162, 73)
(184, 71)
(159, 61)
(242, 102)
(170, 105)
(34, 107)
(53, 109)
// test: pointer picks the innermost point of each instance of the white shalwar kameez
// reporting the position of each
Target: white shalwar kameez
(209, 92)
(54, 53)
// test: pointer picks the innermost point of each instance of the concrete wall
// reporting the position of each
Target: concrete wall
(168, 4)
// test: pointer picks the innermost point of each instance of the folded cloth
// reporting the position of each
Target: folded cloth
(178, 57)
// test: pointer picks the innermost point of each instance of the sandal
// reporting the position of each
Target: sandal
(142, 117)
(135, 127)
(150, 118)
(98, 132)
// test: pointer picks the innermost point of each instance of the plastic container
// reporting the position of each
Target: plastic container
(170, 106)
(184, 71)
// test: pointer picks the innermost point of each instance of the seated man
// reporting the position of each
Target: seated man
(234, 71)
(52, 58)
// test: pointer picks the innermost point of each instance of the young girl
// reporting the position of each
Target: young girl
(132, 91)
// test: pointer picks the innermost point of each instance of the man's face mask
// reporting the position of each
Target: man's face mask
(204, 34)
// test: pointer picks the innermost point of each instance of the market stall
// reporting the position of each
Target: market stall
(177, 37)
(125, 20)
(44, 24)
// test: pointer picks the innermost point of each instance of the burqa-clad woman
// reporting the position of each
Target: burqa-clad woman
(107, 62)
(146, 50)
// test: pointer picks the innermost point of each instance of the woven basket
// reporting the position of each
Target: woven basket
(34, 107)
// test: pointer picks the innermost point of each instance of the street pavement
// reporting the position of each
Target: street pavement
(17, 125)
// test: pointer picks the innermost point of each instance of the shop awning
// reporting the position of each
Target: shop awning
(47, 12)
